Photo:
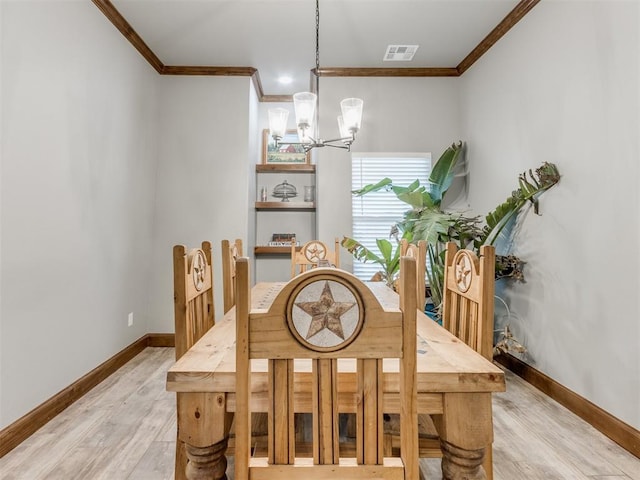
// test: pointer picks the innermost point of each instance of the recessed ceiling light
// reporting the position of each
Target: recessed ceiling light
(285, 79)
(400, 53)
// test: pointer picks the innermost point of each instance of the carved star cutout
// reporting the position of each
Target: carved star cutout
(325, 313)
(199, 270)
(314, 252)
(234, 257)
(463, 270)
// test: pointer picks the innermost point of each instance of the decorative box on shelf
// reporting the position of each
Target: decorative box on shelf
(282, 240)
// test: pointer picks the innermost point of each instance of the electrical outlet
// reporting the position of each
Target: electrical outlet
(130, 321)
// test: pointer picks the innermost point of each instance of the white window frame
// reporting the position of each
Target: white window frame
(374, 214)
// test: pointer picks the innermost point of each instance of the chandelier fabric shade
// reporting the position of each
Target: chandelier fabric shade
(305, 105)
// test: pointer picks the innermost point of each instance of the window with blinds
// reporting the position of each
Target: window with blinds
(375, 213)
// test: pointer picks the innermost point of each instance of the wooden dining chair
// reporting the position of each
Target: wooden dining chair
(419, 252)
(429, 442)
(468, 296)
(193, 312)
(467, 304)
(467, 313)
(311, 254)
(230, 253)
(324, 315)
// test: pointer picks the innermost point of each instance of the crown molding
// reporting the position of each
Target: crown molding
(512, 18)
(121, 23)
(388, 72)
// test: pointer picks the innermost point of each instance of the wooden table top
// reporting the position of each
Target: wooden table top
(445, 364)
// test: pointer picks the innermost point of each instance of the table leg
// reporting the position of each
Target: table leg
(466, 429)
(461, 464)
(203, 425)
(206, 463)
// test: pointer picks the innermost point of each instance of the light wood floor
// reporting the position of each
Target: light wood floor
(124, 429)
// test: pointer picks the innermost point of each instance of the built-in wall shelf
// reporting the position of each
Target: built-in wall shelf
(308, 206)
(272, 215)
(266, 250)
(286, 168)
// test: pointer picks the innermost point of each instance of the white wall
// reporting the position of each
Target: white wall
(85, 239)
(399, 115)
(563, 86)
(204, 163)
(78, 131)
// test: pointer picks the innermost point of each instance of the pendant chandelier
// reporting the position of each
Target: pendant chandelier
(305, 107)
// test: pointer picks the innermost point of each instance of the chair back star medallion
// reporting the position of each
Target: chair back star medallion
(314, 251)
(325, 315)
(198, 269)
(463, 270)
(234, 257)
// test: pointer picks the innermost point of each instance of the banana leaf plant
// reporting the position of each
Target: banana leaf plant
(529, 190)
(426, 220)
(389, 258)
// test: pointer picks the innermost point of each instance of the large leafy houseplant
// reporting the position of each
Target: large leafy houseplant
(427, 220)
(389, 258)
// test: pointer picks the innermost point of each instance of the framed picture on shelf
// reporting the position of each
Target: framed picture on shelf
(284, 154)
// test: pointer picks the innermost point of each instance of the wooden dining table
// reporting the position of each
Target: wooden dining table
(454, 385)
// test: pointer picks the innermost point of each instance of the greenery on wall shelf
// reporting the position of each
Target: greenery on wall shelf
(426, 220)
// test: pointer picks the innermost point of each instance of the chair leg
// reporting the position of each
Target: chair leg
(181, 461)
(488, 462)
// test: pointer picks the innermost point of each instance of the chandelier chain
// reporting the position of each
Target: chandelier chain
(317, 37)
(306, 106)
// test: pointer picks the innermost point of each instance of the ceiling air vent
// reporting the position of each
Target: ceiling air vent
(400, 53)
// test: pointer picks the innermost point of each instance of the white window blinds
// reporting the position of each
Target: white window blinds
(375, 213)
